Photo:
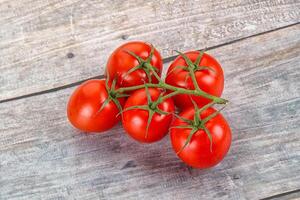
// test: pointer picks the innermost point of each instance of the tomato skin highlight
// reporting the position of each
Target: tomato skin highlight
(197, 153)
(135, 121)
(210, 81)
(121, 61)
(84, 105)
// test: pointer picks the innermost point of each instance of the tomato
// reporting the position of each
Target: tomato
(197, 153)
(135, 120)
(210, 81)
(85, 103)
(120, 62)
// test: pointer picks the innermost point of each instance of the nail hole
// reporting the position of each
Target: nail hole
(236, 176)
(70, 55)
(125, 37)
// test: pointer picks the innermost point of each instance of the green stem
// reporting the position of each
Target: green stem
(194, 92)
(193, 77)
(156, 103)
(174, 88)
(150, 67)
(169, 95)
(127, 89)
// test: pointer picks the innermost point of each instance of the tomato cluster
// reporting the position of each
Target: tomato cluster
(135, 93)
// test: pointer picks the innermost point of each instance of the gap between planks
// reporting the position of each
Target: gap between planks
(285, 195)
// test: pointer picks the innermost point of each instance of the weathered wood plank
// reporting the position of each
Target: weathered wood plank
(43, 157)
(48, 44)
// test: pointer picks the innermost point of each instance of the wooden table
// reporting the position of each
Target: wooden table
(47, 48)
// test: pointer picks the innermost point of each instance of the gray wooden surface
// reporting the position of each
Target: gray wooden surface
(43, 157)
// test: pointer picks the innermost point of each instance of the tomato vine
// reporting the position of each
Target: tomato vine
(134, 92)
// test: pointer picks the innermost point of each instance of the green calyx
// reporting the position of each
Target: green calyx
(151, 107)
(144, 64)
(192, 67)
(113, 95)
(197, 123)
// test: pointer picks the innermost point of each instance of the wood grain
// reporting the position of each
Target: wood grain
(43, 157)
(48, 44)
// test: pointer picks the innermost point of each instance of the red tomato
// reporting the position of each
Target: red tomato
(210, 81)
(198, 153)
(121, 61)
(135, 121)
(85, 103)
